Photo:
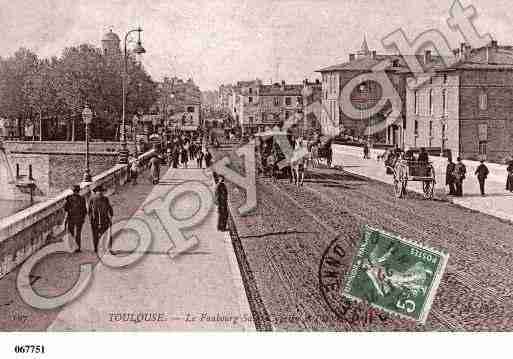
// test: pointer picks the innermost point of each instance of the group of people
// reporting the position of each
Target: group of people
(98, 209)
(183, 149)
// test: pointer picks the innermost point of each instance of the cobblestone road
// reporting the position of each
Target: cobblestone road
(284, 239)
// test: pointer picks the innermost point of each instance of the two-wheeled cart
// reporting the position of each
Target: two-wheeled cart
(412, 170)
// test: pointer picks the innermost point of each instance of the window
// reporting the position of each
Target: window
(299, 100)
(430, 102)
(416, 129)
(483, 101)
(250, 119)
(430, 128)
(250, 99)
(276, 101)
(482, 148)
(445, 78)
(415, 103)
(250, 90)
(287, 101)
(444, 102)
(287, 115)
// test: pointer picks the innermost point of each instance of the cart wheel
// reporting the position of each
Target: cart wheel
(403, 187)
(429, 189)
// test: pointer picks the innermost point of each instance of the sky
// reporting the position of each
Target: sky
(224, 41)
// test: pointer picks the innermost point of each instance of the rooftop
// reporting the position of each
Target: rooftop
(488, 57)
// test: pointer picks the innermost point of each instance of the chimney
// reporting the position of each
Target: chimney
(427, 56)
(351, 57)
(373, 54)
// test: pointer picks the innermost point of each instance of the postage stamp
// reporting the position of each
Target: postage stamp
(396, 275)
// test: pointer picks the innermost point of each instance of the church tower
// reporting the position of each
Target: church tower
(364, 51)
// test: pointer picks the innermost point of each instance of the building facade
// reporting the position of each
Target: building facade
(467, 107)
(385, 125)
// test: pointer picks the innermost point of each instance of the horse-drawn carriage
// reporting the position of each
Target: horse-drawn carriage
(405, 170)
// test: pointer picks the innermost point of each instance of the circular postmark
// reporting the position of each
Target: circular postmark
(333, 270)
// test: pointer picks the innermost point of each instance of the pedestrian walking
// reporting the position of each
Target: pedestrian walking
(176, 156)
(155, 169)
(482, 173)
(509, 179)
(134, 171)
(76, 210)
(192, 151)
(221, 197)
(329, 155)
(100, 215)
(184, 157)
(366, 151)
(208, 159)
(449, 177)
(460, 172)
(199, 159)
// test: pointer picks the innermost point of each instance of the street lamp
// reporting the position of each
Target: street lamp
(135, 123)
(87, 116)
(138, 50)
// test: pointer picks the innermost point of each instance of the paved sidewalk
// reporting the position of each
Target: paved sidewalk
(203, 284)
(498, 202)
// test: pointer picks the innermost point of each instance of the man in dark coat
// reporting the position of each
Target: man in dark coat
(208, 159)
(460, 171)
(155, 169)
(449, 177)
(100, 215)
(222, 204)
(482, 173)
(423, 156)
(76, 211)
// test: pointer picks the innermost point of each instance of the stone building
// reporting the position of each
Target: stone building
(279, 102)
(364, 96)
(466, 107)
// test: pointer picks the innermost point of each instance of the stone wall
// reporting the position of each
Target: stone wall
(25, 232)
(54, 172)
(61, 146)
(68, 169)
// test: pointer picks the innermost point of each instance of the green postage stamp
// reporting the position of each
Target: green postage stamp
(396, 275)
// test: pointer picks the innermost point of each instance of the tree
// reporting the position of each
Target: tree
(40, 91)
(14, 71)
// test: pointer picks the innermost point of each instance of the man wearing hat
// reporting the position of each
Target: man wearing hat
(100, 214)
(460, 171)
(221, 198)
(76, 211)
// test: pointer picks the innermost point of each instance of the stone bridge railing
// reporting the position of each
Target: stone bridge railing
(25, 232)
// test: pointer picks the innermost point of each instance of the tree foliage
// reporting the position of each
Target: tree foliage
(31, 87)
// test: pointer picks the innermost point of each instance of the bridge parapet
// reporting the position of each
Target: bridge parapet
(25, 232)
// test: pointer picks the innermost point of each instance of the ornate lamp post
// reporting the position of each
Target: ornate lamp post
(139, 50)
(87, 116)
